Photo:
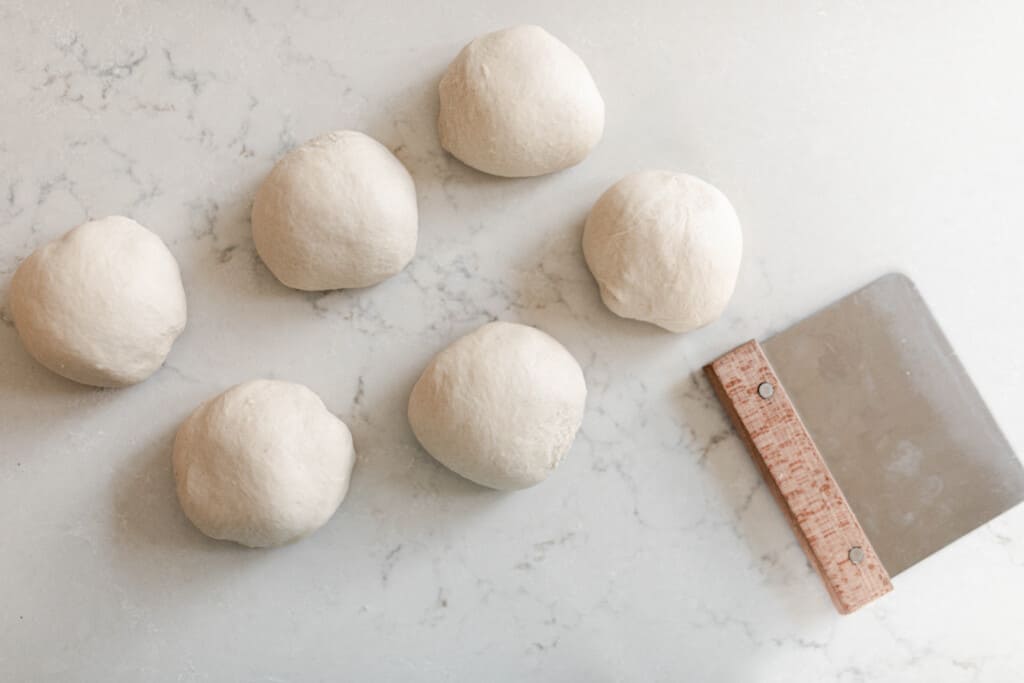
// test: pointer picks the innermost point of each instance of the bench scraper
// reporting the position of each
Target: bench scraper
(870, 435)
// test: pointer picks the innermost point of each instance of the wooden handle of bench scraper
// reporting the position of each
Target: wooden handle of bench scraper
(779, 443)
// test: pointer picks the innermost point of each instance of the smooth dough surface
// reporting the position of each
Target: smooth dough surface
(518, 102)
(262, 464)
(500, 406)
(100, 305)
(337, 212)
(664, 248)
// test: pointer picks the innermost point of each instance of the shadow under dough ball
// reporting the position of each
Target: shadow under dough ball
(664, 248)
(500, 406)
(262, 464)
(337, 212)
(517, 103)
(102, 304)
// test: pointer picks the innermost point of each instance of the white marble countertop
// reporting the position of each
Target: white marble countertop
(853, 138)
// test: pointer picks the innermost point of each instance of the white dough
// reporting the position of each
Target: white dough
(519, 102)
(335, 213)
(665, 248)
(262, 464)
(101, 305)
(500, 406)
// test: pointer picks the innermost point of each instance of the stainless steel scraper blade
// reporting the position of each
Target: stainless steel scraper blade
(898, 421)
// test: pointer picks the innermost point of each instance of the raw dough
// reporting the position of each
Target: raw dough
(519, 102)
(500, 406)
(335, 213)
(665, 248)
(262, 464)
(101, 305)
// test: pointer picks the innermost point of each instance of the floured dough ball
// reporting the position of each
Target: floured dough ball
(500, 406)
(664, 248)
(335, 213)
(262, 464)
(101, 305)
(519, 102)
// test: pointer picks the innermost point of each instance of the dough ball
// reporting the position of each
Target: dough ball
(519, 103)
(262, 464)
(100, 305)
(500, 406)
(335, 213)
(665, 248)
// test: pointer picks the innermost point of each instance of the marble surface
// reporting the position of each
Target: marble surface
(853, 137)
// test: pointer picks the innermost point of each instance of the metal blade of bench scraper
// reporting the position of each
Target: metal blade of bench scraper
(898, 421)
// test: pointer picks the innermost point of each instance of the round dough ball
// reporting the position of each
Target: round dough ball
(518, 103)
(335, 213)
(500, 406)
(665, 248)
(262, 464)
(101, 305)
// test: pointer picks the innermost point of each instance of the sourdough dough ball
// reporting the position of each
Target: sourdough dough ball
(262, 464)
(335, 213)
(100, 305)
(518, 103)
(500, 406)
(664, 248)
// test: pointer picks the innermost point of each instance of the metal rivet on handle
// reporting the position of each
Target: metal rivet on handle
(765, 390)
(856, 554)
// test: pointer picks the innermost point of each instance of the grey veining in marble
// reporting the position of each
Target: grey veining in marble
(853, 138)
